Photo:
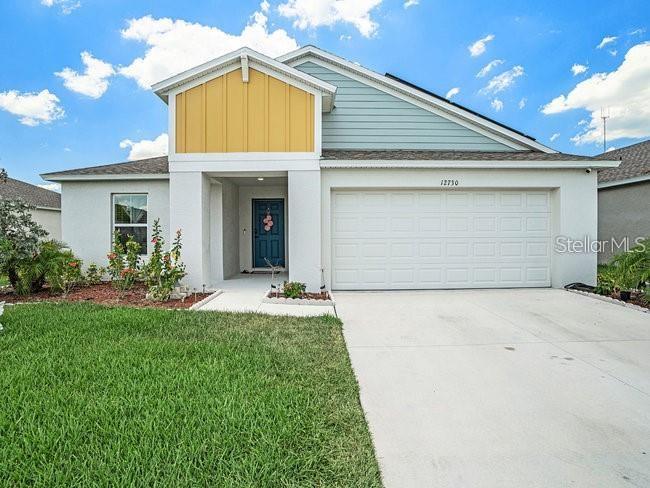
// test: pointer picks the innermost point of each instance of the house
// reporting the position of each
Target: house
(624, 199)
(46, 203)
(347, 178)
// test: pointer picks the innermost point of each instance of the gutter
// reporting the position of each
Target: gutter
(55, 177)
(470, 164)
(627, 181)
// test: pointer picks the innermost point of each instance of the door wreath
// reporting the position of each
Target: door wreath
(268, 220)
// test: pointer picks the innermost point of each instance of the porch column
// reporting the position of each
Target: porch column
(189, 210)
(305, 228)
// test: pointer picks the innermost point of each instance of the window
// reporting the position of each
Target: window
(130, 218)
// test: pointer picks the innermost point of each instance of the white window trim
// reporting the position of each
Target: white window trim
(115, 225)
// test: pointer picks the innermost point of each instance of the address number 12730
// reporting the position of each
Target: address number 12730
(448, 182)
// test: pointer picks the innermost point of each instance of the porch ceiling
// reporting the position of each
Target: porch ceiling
(253, 180)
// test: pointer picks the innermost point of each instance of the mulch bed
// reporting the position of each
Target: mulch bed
(103, 294)
(323, 295)
(636, 299)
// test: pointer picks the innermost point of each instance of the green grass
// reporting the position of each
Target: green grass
(4, 281)
(123, 397)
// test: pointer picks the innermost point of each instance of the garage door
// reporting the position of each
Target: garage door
(423, 239)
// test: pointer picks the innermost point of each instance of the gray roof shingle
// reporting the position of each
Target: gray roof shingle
(160, 165)
(635, 162)
(31, 194)
(411, 155)
(150, 166)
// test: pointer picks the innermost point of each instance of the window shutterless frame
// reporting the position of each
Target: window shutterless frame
(129, 214)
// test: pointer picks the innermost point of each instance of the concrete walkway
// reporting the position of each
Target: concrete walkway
(502, 388)
(244, 293)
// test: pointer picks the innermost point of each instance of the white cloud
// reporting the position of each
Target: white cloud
(489, 67)
(605, 41)
(264, 6)
(67, 149)
(578, 69)
(478, 47)
(66, 6)
(497, 105)
(500, 82)
(613, 52)
(452, 93)
(613, 148)
(522, 103)
(344, 37)
(146, 148)
(176, 45)
(637, 32)
(93, 82)
(32, 108)
(411, 3)
(51, 186)
(554, 136)
(624, 92)
(319, 13)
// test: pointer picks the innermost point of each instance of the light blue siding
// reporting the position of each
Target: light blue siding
(367, 118)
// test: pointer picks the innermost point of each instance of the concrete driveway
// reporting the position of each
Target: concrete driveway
(502, 388)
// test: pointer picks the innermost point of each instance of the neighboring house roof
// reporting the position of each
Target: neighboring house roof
(634, 167)
(31, 194)
(452, 110)
(149, 166)
(159, 167)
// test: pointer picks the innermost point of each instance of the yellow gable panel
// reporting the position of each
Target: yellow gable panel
(228, 115)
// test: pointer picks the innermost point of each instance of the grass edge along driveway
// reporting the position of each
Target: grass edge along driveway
(97, 396)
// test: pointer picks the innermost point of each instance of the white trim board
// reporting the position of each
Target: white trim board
(414, 96)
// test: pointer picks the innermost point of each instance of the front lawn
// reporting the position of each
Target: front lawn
(125, 397)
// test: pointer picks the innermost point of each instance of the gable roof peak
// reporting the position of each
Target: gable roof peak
(242, 57)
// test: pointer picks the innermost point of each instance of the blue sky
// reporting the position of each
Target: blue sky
(98, 109)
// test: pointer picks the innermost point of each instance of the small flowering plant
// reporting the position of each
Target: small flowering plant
(123, 262)
(165, 268)
(65, 273)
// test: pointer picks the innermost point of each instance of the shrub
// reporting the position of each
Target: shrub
(65, 274)
(33, 273)
(123, 262)
(293, 289)
(20, 243)
(164, 269)
(94, 274)
(626, 271)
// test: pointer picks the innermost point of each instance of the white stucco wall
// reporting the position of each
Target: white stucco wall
(574, 206)
(190, 201)
(50, 220)
(230, 209)
(305, 228)
(86, 213)
(246, 196)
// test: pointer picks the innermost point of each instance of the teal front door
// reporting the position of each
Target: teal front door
(268, 232)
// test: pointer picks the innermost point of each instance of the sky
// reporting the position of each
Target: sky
(74, 90)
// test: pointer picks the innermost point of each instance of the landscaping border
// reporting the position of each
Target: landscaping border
(603, 298)
(209, 298)
(299, 301)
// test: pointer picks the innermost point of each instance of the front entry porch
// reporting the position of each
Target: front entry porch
(245, 293)
(236, 223)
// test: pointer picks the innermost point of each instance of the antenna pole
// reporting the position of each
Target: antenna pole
(604, 117)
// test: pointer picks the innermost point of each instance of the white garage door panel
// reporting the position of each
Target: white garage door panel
(396, 239)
